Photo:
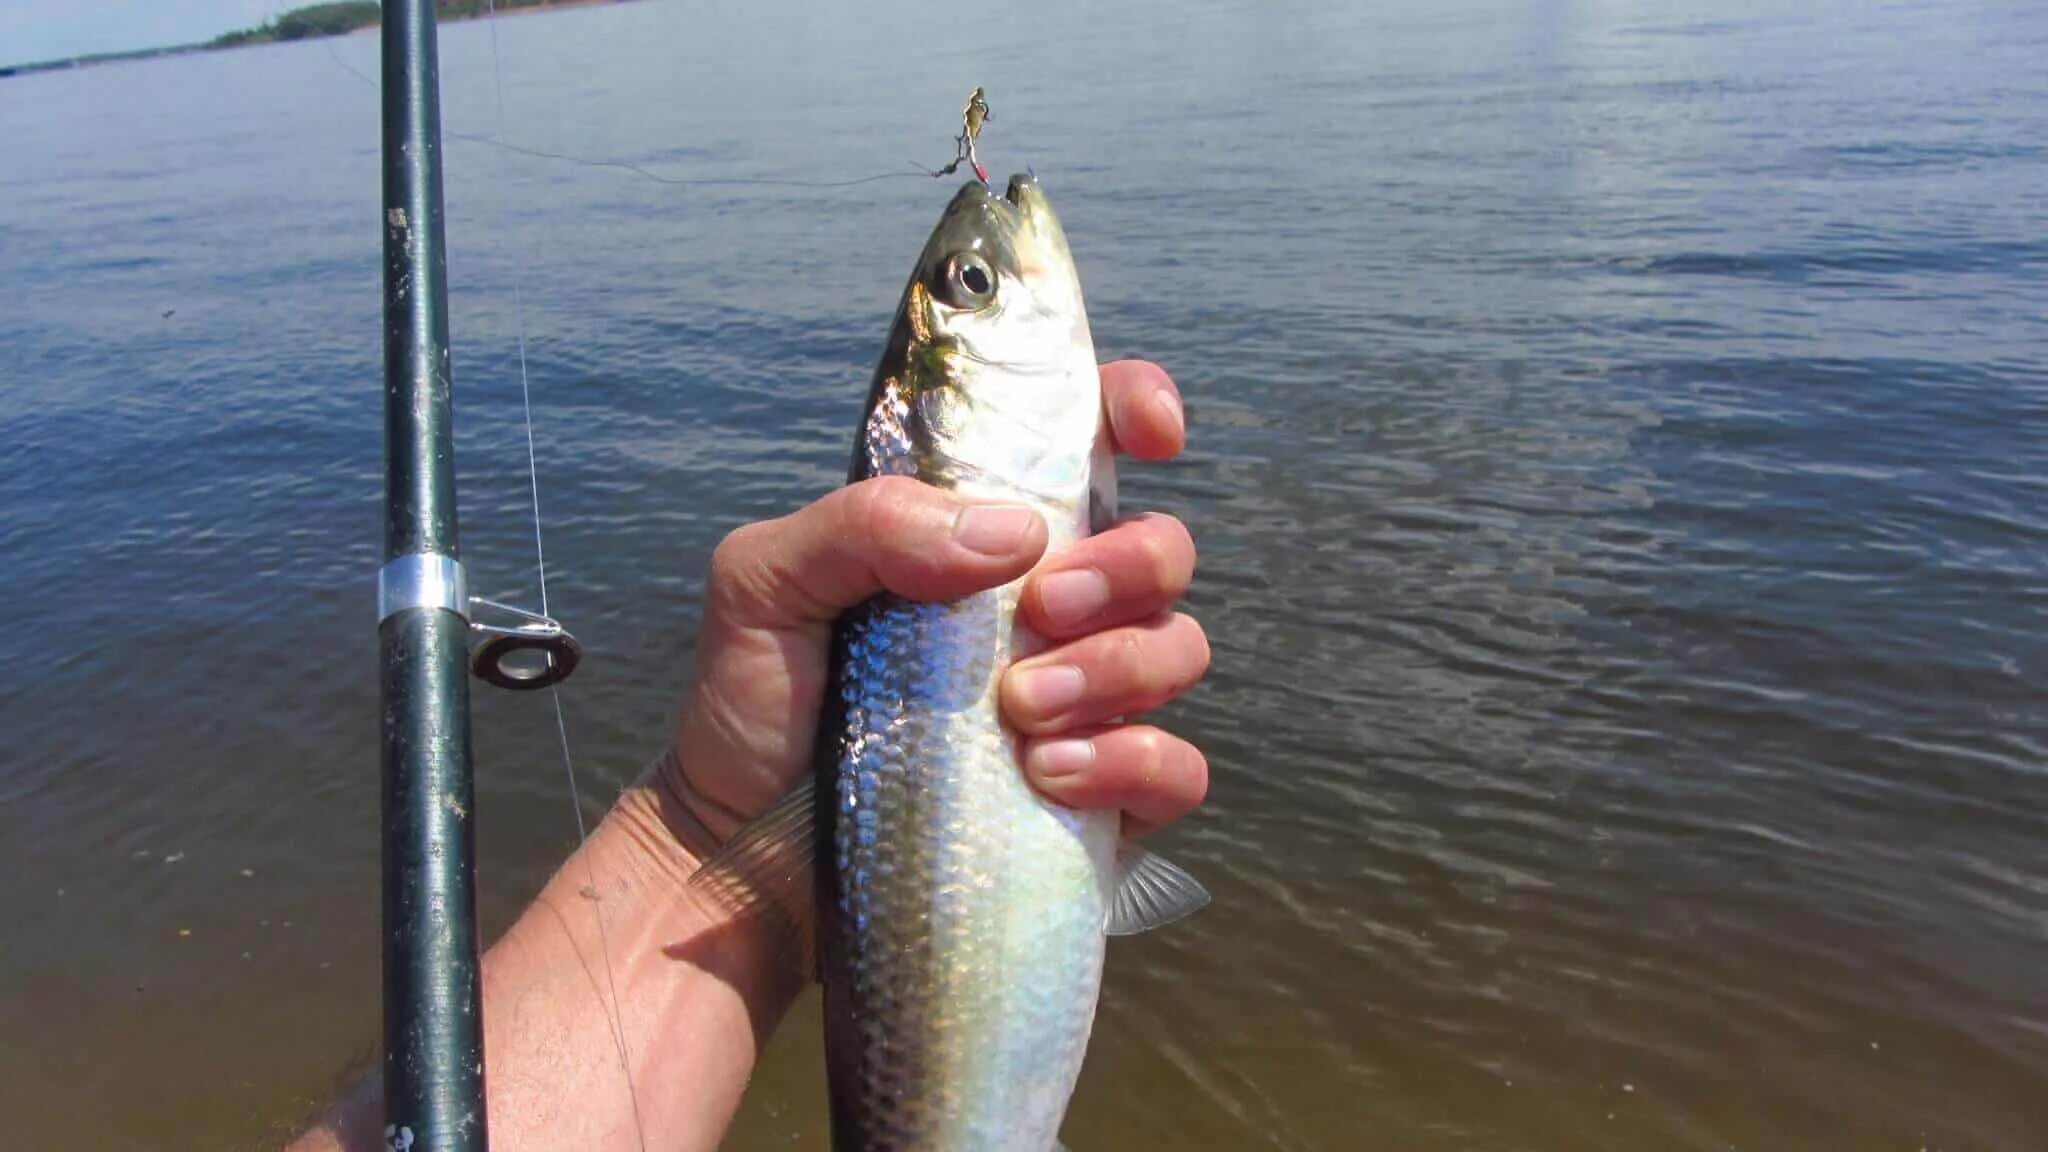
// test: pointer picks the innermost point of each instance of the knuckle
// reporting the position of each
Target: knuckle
(1148, 753)
(738, 576)
(1176, 543)
(886, 513)
(859, 506)
(1124, 657)
(1184, 549)
(1156, 558)
(890, 504)
(1193, 771)
(1165, 555)
(1198, 638)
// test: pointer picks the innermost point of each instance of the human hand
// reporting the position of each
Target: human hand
(748, 721)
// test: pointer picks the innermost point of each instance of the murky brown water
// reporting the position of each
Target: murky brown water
(1617, 462)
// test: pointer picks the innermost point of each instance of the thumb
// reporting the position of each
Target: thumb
(891, 533)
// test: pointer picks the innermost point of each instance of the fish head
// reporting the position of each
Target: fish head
(990, 381)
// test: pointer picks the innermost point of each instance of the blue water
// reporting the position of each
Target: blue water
(1618, 460)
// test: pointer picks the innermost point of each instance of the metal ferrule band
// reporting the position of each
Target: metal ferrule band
(422, 580)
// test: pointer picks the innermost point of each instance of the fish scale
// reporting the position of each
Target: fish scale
(974, 907)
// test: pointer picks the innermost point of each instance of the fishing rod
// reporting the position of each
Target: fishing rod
(434, 1065)
(433, 1008)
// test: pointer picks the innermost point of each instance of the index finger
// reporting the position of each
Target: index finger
(1145, 416)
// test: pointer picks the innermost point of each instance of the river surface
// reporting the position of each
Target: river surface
(1619, 459)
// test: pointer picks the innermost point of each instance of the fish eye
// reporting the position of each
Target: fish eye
(968, 282)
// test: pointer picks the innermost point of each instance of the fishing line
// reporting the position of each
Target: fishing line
(691, 182)
(910, 169)
(617, 1018)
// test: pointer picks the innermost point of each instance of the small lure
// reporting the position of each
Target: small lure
(972, 117)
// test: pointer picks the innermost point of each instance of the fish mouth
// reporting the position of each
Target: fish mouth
(1024, 187)
(1022, 194)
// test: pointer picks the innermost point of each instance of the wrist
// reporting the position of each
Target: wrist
(620, 960)
(653, 843)
(653, 833)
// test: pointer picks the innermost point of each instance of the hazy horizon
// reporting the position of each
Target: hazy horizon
(32, 31)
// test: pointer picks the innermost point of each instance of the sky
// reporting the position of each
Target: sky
(33, 30)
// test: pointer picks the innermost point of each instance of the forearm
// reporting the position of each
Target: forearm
(698, 994)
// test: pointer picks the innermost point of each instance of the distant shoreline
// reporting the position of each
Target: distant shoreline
(312, 22)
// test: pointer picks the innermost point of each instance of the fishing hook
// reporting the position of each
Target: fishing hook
(972, 117)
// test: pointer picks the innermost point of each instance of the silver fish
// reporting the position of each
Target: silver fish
(962, 947)
(962, 915)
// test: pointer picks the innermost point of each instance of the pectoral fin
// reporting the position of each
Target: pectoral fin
(765, 870)
(1150, 892)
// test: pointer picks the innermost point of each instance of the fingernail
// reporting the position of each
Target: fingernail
(1056, 758)
(1049, 691)
(993, 529)
(1074, 595)
(1170, 404)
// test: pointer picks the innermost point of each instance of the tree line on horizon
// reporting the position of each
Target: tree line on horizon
(335, 19)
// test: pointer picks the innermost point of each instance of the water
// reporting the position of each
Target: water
(1618, 463)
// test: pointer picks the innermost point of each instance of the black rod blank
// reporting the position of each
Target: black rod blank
(433, 1017)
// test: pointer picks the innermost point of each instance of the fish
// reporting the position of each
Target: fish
(960, 916)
